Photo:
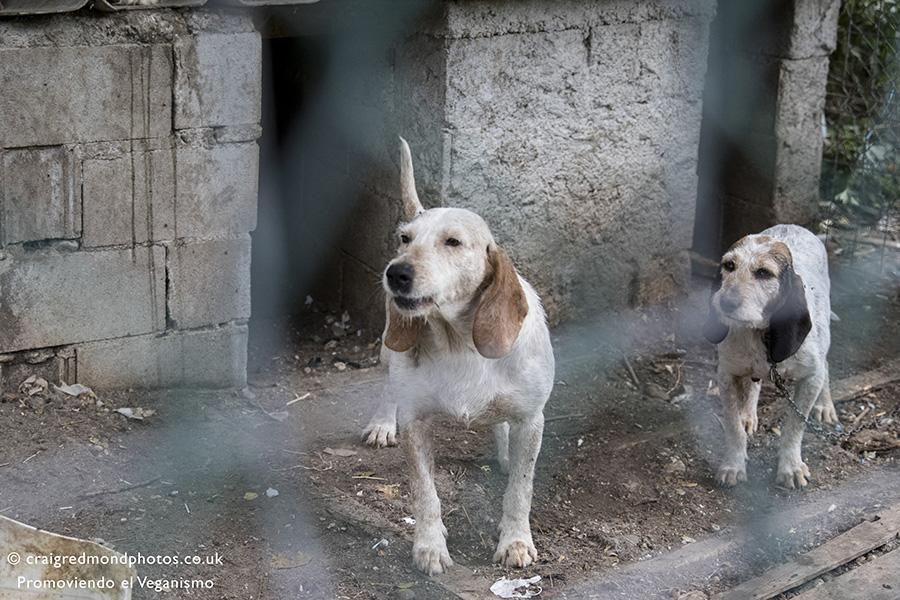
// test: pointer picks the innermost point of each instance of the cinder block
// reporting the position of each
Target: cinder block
(108, 206)
(214, 358)
(798, 129)
(52, 299)
(154, 192)
(209, 282)
(39, 192)
(56, 366)
(218, 80)
(84, 94)
(217, 189)
(129, 198)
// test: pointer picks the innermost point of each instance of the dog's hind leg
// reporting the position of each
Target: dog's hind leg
(516, 547)
(430, 553)
(501, 436)
(823, 410)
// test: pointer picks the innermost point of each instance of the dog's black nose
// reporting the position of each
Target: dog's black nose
(400, 277)
(729, 304)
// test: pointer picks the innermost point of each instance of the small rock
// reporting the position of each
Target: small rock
(331, 344)
(675, 467)
(271, 493)
(340, 366)
(654, 390)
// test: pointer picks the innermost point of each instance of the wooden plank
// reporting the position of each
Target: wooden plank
(878, 579)
(851, 544)
(851, 387)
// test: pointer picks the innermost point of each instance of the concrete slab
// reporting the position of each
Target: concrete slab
(54, 298)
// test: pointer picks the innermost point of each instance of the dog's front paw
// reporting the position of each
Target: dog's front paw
(824, 413)
(750, 422)
(731, 475)
(430, 554)
(792, 475)
(380, 433)
(516, 554)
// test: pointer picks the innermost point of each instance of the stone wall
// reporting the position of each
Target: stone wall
(128, 185)
(573, 128)
(764, 122)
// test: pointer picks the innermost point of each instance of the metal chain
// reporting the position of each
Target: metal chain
(783, 391)
(776, 378)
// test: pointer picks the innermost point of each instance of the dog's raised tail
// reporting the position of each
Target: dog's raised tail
(411, 204)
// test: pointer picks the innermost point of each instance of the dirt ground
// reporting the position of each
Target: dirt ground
(274, 479)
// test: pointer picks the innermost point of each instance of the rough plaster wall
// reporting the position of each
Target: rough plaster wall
(128, 170)
(573, 129)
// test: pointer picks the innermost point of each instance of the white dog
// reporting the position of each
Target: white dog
(466, 336)
(772, 307)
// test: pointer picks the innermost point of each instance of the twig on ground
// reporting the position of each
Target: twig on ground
(719, 419)
(860, 416)
(631, 372)
(127, 488)
(298, 398)
(677, 379)
(30, 457)
(562, 417)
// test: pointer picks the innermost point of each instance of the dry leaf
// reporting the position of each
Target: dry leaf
(138, 414)
(342, 452)
(390, 490)
(75, 390)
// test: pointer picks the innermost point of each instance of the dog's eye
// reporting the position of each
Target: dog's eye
(404, 239)
(728, 265)
(453, 242)
(762, 273)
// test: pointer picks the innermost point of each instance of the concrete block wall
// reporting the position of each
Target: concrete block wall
(573, 128)
(128, 186)
(771, 146)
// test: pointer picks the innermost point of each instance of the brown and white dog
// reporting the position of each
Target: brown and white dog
(771, 306)
(466, 337)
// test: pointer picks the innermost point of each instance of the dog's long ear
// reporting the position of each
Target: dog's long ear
(411, 204)
(714, 329)
(502, 307)
(790, 322)
(401, 333)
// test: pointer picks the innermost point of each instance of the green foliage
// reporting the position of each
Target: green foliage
(861, 172)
